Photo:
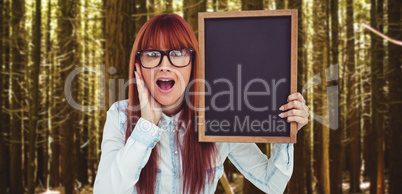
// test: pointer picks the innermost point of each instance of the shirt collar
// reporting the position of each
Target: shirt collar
(165, 119)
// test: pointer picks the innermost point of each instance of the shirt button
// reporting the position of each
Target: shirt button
(173, 130)
(176, 152)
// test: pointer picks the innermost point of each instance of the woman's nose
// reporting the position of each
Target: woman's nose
(165, 64)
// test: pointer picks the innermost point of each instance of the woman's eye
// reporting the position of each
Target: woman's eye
(153, 54)
(177, 53)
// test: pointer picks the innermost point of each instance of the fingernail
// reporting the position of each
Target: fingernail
(281, 108)
(280, 115)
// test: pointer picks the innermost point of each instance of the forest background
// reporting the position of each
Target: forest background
(48, 146)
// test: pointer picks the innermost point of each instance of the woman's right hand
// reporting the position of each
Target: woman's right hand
(151, 110)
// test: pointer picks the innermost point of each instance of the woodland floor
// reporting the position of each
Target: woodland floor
(237, 186)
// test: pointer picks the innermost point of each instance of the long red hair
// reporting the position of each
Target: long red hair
(197, 157)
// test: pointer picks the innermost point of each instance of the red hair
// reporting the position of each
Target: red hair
(197, 157)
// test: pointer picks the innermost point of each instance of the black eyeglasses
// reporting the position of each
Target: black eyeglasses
(152, 58)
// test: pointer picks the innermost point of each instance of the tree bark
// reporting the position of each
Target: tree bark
(336, 147)
(380, 97)
(56, 94)
(395, 95)
(141, 8)
(309, 129)
(18, 63)
(47, 126)
(119, 36)
(297, 183)
(223, 5)
(55, 178)
(320, 63)
(280, 4)
(352, 120)
(55, 165)
(6, 87)
(34, 97)
(150, 8)
(190, 12)
(225, 184)
(366, 118)
(82, 138)
(169, 6)
(68, 45)
(94, 148)
(374, 129)
(252, 5)
(4, 23)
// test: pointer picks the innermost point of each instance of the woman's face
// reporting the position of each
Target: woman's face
(162, 90)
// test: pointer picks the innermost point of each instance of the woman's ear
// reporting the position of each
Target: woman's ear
(136, 62)
(135, 66)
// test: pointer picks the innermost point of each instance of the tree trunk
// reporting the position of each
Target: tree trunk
(77, 162)
(55, 164)
(18, 63)
(54, 174)
(320, 63)
(366, 109)
(94, 148)
(380, 97)
(225, 184)
(252, 5)
(280, 4)
(4, 23)
(336, 148)
(297, 183)
(308, 154)
(82, 138)
(34, 97)
(48, 115)
(6, 86)
(352, 120)
(55, 133)
(92, 133)
(309, 129)
(395, 95)
(190, 12)
(140, 8)
(55, 178)
(169, 6)
(375, 125)
(223, 5)
(324, 178)
(67, 39)
(119, 32)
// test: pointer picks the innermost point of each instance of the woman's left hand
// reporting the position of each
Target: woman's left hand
(296, 110)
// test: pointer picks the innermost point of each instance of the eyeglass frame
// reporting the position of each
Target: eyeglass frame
(137, 56)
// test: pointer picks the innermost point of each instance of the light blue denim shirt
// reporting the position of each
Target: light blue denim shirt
(120, 165)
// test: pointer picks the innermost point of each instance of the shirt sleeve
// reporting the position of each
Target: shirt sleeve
(120, 165)
(270, 175)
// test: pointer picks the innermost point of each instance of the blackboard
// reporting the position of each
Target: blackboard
(248, 60)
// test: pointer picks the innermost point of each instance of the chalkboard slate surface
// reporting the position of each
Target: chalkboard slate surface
(250, 70)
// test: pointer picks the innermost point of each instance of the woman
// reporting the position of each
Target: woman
(149, 144)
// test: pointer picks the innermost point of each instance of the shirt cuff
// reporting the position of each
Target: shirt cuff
(146, 132)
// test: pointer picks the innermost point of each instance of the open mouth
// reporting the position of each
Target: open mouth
(165, 85)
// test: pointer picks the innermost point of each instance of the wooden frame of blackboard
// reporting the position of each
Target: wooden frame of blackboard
(293, 13)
